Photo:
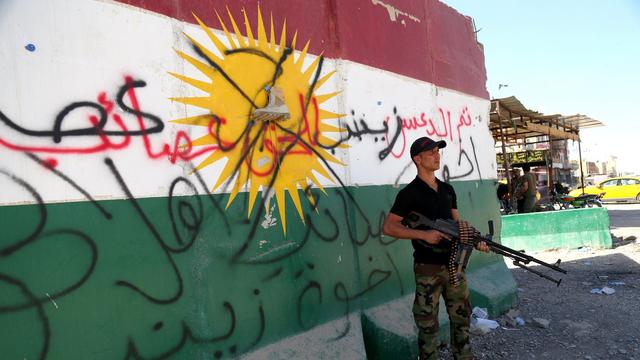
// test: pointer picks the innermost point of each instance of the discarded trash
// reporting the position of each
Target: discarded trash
(519, 321)
(586, 283)
(605, 290)
(478, 330)
(481, 326)
(616, 283)
(584, 249)
(510, 318)
(491, 324)
(540, 322)
(513, 313)
(480, 313)
(588, 263)
(603, 277)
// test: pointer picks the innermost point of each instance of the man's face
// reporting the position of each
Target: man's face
(429, 159)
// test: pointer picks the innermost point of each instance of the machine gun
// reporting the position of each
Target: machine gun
(464, 239)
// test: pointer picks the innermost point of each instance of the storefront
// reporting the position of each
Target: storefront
(524, 136)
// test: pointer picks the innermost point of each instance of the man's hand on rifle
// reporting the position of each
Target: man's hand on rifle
(482, 246)
(433, 237)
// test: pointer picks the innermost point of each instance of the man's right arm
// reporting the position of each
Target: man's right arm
(393, 227)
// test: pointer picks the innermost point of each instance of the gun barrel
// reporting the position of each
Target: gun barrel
(520, 256)
(450, 227)
(557, 281)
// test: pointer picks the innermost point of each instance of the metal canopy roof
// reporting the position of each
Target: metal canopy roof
(511, 121)
(580, 121)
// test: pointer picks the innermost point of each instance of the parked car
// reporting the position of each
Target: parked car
(626, 188)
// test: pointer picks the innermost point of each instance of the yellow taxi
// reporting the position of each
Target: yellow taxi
(615, 189)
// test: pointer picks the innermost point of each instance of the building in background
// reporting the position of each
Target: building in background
(597, 165)
(524, 136)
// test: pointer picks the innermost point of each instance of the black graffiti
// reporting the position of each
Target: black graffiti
(39, 235)
(69, 181)
(386, 151)
(214, 202)
(273, 275)
(32, 302)
(42, 218)
(341, 293)
(151, 227)
(361, 128)
(313, 285)
(446, 175)
(187, 335)
(187, 214)
(261, 324)
(31, 299)
(190, 218)
(57, 134)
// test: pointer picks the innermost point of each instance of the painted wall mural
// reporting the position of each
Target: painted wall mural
(180, 182)
(267, 123)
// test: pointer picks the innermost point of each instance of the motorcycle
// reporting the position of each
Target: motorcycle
(564, 201)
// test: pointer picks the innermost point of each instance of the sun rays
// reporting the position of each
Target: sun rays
(262, 113)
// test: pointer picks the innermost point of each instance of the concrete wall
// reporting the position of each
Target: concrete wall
(148, 213)
(569, 229)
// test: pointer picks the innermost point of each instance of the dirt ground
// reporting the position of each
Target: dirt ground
(581, 324)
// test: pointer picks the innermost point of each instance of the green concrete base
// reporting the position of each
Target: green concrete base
(389, 329)
(493, 287)
(390, 332)
(337, 339)
(569, 229)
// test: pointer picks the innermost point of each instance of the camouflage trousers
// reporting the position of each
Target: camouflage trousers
(431, 282)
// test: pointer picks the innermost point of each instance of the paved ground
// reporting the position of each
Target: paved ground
(581, 325)
(625, 219)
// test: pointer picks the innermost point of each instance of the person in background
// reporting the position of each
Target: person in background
(527, 191)
(516, 184)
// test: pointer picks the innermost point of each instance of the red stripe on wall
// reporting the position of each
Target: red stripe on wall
(439, 48)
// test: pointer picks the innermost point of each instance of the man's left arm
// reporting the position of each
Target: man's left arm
(454, 215)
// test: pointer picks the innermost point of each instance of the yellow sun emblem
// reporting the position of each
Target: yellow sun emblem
(263, 113)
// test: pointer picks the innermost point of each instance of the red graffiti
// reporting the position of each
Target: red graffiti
(182, 145)
(441, 128)
(182, 148)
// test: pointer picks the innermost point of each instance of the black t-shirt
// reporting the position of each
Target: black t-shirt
(419, 197)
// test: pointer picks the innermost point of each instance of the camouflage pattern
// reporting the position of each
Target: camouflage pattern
(430, 284)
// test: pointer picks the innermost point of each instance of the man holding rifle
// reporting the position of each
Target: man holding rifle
(434, 199)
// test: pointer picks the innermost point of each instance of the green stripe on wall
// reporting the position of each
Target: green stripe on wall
(180, 277)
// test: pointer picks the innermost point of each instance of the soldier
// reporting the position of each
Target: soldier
(434, 199)
(527, 191)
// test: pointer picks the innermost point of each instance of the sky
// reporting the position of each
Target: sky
(568, 57)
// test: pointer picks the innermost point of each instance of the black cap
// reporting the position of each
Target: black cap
(423, 144)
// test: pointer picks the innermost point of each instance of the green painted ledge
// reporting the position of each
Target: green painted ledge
(568, 229)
